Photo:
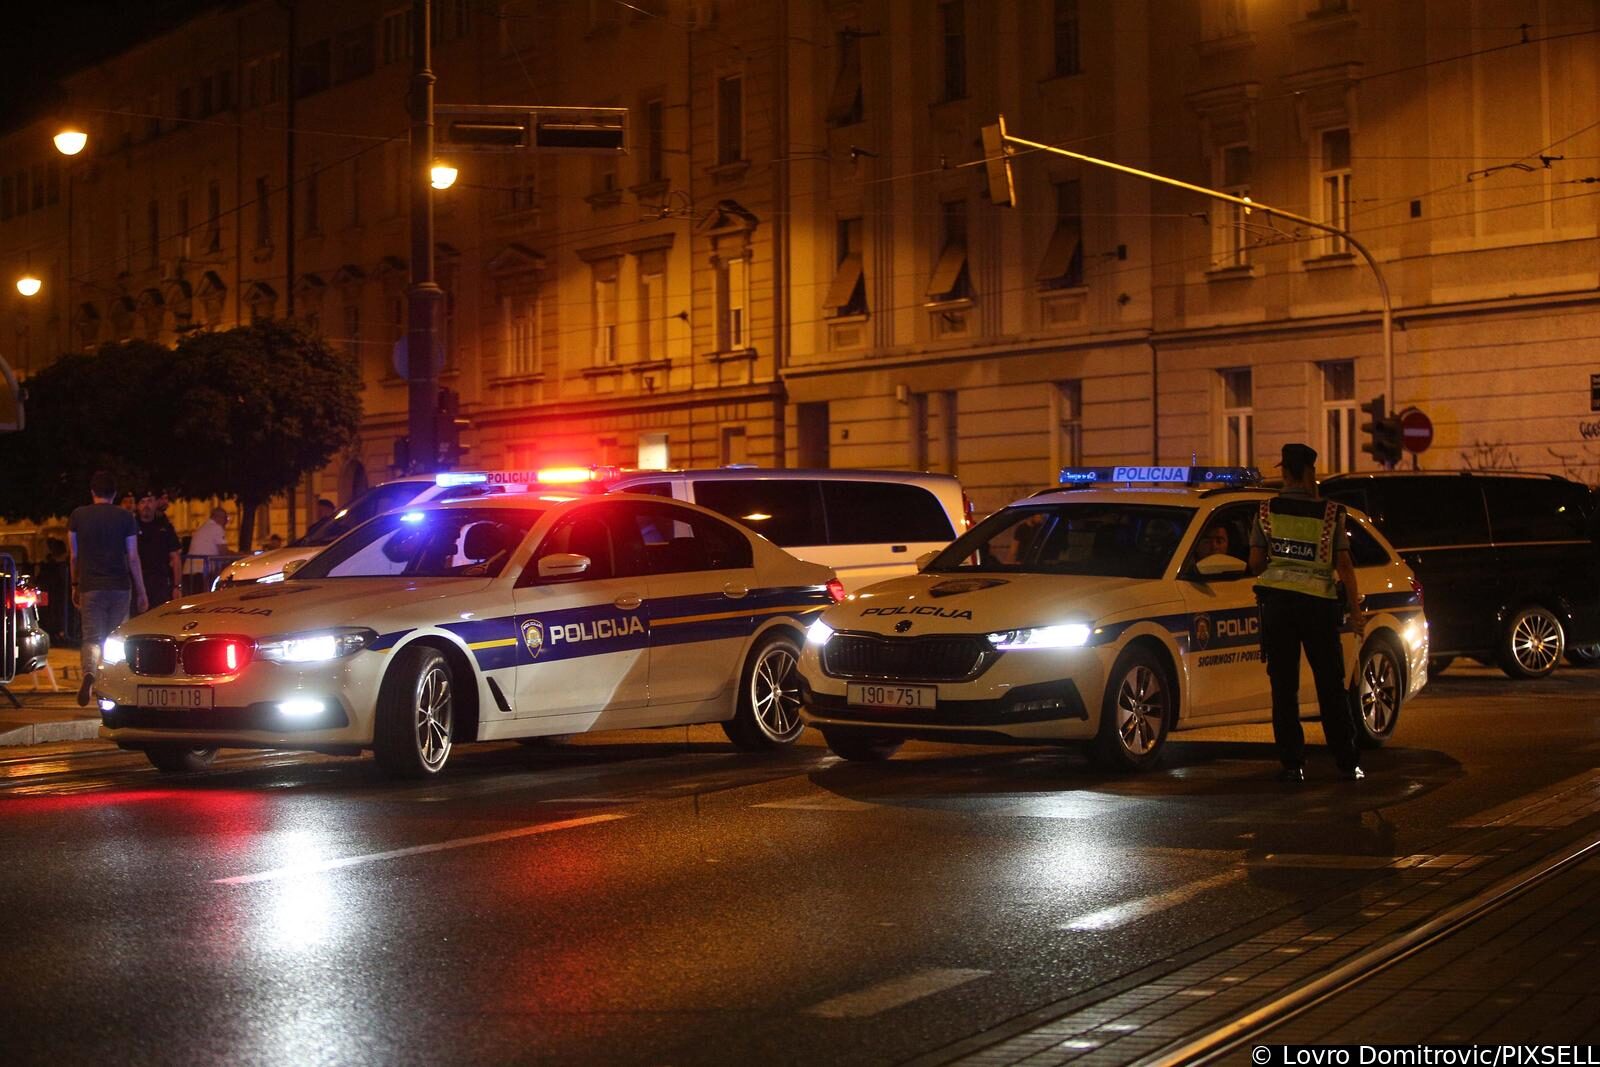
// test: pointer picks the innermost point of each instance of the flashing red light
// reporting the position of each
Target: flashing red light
(25, 598)
(836, 590)
(217, 655)
(567, 475)
(1416, 587)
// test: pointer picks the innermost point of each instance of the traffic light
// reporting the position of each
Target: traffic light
(448, 425)
(997, 164)
(1383, 433)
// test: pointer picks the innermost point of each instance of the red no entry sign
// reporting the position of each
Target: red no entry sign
(1416, 431)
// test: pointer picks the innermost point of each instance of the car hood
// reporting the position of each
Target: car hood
(266, 564)
(382, 604)
(985, 603)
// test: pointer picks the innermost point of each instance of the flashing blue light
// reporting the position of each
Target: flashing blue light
(413, 516)
(1160, 475)
(448, 479)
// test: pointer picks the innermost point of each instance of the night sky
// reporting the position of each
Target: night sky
(45, 41)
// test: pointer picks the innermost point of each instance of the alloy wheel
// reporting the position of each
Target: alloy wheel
(1141, 710)
(775, 693)
(1536, 641)
(1379, 691)
(435, 717)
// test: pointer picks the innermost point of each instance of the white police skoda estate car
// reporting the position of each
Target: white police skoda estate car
(479, 620)
(1101, 613)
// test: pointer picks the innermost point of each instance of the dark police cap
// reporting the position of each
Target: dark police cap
(1298, 456)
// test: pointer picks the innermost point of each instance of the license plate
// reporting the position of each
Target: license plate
(891, 696)
(175, 696)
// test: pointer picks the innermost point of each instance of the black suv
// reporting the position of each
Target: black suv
(1509, 565)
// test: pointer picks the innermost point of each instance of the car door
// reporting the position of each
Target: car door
(1223, 657)
(699, 576)
(585, 637)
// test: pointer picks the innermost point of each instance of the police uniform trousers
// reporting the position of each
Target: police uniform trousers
(1291, 622)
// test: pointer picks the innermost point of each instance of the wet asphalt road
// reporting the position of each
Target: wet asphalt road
(657, 898)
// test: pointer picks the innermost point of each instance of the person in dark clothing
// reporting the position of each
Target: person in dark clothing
(1299, 551)
(104, 544)
(160, 555)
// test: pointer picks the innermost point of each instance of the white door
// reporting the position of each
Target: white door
(1226, 675)
(586, 638)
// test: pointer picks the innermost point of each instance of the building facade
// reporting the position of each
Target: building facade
(799, 263)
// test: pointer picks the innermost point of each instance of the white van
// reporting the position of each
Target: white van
(866, 525)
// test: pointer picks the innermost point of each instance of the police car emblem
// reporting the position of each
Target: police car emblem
(190, 626)
(1202, 631)
(533, 636)
(902, 626)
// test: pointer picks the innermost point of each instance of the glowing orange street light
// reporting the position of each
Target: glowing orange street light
(28, 285)
(442, 175)
(69, 142)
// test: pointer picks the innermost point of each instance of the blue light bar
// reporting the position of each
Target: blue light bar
(413, 516)
(449, 479)
(1160, 476)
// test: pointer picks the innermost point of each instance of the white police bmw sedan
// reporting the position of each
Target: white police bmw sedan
(1101, 613)
(478, 620)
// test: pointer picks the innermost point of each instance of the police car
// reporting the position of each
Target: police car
(478, 620)
(413, 489)
(1106, 612)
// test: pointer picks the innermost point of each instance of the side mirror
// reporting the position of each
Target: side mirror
(1222, 565)
(292, 566)
(925, 559)
(562, 565)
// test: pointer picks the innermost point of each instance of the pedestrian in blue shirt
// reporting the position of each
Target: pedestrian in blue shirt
(104, 542)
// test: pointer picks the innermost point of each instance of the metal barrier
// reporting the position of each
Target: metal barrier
(199, 580)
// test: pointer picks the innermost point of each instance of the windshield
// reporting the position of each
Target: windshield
(446, 543)
(374, 501)
(1110, 540)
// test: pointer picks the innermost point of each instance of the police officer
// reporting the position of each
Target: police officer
(1298, 548)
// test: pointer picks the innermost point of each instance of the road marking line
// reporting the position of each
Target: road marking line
(1122, 914)
(415, 850)
(893, 993)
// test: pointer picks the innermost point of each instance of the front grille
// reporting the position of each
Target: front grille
(938, 658)
(153, 657)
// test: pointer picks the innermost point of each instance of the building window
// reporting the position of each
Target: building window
(733, 302)
(252, 84)
(277, 76)
(1230, 238)
(183, 228)
(845, 103)
(653, 452)
(953, 40)
(313, 68)
(812, 435)
(523, 192)
(355, 191)
(522, 334)
(605, 314)
(730, 119)
(52, 182)
(263, 213)
(185, 103)
(38, 186)
(313, 199)
(355, 53)
(213, 216)
(654, 158)
(224, 90)
(1068, 48)
(653, 306)
(950, 279)
(847, 293)
(153, 234)
(352, 331)
(152, 116)
(1238, 417)
(205, 98)
(1066, 420)
(1335, 187)
(1338, 416)
(1223, 18)
(1062, 266)
(396, 33)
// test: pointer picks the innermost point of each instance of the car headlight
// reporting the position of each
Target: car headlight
(1065, 635)
(314, 647)
(113, 651)
(818, 633)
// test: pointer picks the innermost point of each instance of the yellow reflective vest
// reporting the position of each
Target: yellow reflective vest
(1300, 545)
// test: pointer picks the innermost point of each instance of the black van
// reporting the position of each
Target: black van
(1509, 565)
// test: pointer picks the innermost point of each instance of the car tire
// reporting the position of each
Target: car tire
(1136, 713)
(1583, 655)
(1377, 692)
(180, 759)
(411, 737)
(861, 747)
(767, 714)
(1439, 664)
(1532, 643)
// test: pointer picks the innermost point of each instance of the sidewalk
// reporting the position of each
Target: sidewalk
(48, 716)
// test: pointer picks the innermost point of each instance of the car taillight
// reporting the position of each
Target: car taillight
(966, 509)
(836, 590)
(1416, 587)
(216, 655)
(25, 598)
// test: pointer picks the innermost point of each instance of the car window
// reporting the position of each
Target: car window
(375, 501)
(582, 533)
(676, 540)
(784, 511)
(1429, 512)
(1226, 531)
(868, 513)
(648, 488)
(1115, 540)
(1365, 549)
(444, 543)
(1528, 509)
(468, 492)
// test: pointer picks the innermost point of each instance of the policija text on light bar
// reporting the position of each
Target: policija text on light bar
(1160, 475)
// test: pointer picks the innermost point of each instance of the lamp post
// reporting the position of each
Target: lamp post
(998, 137)
(69, 142)
(422, 311)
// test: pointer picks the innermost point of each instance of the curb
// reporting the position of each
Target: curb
(42, 733)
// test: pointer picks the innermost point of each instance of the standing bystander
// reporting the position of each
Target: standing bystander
(104, 542)
(159, 553)
(209, 541)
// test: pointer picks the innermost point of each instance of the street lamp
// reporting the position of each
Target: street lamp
(28, 285)
(69, 142)
(442, 175)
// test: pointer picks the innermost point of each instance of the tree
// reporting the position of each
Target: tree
(259, 407)
(111, 409)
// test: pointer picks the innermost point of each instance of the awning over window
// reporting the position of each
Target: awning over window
(947, 274)
(847, 87)
(1063, 259)
(845, 280)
